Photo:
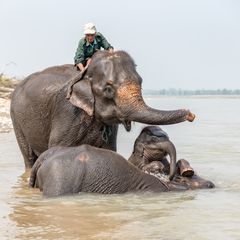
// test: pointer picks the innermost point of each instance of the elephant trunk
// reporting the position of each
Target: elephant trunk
(149, 115)
(169, 147)
(133, 108)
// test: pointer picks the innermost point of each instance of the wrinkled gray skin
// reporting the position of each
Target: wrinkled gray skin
(150, 151)
(154, 144)
(70, 170)
(108, 93)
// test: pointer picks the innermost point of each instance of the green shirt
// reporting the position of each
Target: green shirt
(86, 50)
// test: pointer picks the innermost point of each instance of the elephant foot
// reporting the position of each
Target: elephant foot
(185, 169)
(187, 172)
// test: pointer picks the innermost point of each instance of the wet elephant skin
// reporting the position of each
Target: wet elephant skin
(59, 106)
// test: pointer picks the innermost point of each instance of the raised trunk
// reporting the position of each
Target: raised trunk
(169, 147)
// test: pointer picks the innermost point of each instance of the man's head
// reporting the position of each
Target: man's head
(90, 32)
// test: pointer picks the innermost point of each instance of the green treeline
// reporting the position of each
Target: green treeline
(182, 92)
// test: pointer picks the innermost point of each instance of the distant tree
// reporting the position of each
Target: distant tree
(182, 92)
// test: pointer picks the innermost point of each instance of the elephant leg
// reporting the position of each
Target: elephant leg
(56, 177)
(184, 168)
(27, 152)
(32, 179)
(49, 180)
(38, 163)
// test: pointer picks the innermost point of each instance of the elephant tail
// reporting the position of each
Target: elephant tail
(33, 175)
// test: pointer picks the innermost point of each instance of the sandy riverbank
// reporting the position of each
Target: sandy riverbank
(5, 120)
(7, 86)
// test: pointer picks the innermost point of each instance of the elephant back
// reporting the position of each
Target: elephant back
(49, 80)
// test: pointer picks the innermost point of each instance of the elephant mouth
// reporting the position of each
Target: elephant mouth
(127, 125)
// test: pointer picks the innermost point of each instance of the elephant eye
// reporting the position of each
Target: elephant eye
(109, 92)
(155, 139)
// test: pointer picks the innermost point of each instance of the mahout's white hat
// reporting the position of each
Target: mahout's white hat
(90, 28)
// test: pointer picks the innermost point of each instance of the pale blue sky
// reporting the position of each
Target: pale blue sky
(182, 44)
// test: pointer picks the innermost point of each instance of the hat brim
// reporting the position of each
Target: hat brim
(89, 32)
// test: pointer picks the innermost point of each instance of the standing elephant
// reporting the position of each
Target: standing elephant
(150, 155)
(107, 94)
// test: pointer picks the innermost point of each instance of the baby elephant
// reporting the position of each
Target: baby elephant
(151, 149)
(70, 170)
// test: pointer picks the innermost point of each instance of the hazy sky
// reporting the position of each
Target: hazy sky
(182, 44)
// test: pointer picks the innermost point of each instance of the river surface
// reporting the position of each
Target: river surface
(211, 144)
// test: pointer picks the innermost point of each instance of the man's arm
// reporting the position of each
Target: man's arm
(104, 43)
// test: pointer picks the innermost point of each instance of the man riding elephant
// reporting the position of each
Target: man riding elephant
(88, 45)
(107, 94)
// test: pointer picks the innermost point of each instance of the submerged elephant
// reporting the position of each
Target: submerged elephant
(70, 170)
(149, 155)
(107, 94)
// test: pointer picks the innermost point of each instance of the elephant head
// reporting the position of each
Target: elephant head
(186, 176)
(153, 144)
(110, 90)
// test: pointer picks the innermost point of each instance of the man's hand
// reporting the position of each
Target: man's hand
(111, 50)
(88, 62)
(82, 68)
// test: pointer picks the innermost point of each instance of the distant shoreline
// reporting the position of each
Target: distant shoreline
(196, 92)
(6, 123)
(7, 86)
(191, 96)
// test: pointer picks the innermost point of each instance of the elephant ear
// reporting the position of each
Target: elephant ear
(82, 96)
(74, 80)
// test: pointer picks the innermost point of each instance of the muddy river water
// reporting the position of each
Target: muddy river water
(211, 144)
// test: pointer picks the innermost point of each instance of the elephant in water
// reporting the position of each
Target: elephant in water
(150, 155)
(61, 107)
(70, 170)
